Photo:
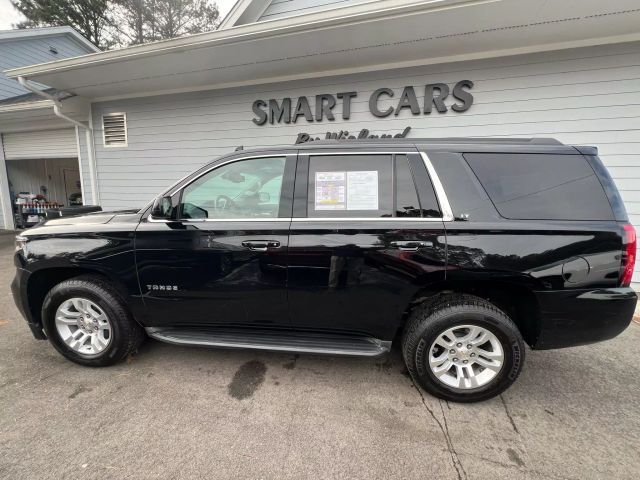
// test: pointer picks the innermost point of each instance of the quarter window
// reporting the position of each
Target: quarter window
(541, 186)
(243, 189)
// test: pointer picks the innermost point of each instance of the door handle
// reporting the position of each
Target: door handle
(260, 245)
(411, 245)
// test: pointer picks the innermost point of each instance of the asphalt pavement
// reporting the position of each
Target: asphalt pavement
(180, 413)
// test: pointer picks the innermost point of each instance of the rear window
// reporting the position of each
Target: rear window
(541, 186)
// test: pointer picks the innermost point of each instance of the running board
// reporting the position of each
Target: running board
(279, 341)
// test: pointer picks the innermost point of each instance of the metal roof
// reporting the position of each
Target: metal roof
(32, 97)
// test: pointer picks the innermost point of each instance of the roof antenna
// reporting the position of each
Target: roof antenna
(239, 148)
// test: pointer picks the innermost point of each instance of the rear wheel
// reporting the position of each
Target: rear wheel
(462, 348)
(87, 321)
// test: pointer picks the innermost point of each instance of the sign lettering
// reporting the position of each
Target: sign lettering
(345, 135)
(383, 102)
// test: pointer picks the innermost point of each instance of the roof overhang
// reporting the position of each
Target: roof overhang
(380, 35)
(39, 115)
(24, 117)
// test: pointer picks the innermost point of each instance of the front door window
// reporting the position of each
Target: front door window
(245, 189)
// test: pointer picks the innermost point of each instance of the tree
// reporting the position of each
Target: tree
(130, 21)
(141, 21)
(89, 17)
(108, 23)
(175, 18)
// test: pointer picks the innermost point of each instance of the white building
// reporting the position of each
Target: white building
(143, 116)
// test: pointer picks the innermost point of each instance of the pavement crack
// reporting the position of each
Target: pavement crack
(491, 461)
(509, 416)
(444, 428)
(80, 389)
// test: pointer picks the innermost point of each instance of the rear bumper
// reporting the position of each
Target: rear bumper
(19, 291)
(579, 317)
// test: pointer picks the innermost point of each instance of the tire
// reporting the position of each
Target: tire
(464, 316)
(123, 337)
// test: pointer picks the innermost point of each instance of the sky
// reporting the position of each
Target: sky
(9, 15)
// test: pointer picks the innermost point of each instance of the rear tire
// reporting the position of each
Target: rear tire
(462, 348)
(89, 323)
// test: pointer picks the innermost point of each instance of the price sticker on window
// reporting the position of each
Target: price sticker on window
(330, 191)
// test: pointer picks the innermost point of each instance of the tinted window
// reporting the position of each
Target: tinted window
(350, 186)
(615, 200)
(426, 193)
(467, 198)
(243, 189)
(407, 203)
(538, 186)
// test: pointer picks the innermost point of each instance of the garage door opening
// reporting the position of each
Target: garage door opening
(37, 185)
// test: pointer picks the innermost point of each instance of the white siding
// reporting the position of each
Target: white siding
(289, 8)
(40, 144)
(4, 189)
(29, 51)
(85, 167)
(585, 96)
(5, 198)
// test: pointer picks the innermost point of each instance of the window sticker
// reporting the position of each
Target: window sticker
(362, 190)
(330, 191)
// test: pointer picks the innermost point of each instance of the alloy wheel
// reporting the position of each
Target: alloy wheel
(83, 326)
(465, 357)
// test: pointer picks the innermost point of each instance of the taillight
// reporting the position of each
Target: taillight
(628, 255)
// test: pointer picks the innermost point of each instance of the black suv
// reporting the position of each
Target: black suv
(462, 249)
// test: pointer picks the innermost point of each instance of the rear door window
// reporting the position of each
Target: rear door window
(367, 185)
(351, 186)
(541, 186)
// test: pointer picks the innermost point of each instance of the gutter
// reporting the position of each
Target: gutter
(57, 106)
(57, 110)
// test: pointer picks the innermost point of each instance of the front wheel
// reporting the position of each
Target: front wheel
(462, 348)
(87, 321)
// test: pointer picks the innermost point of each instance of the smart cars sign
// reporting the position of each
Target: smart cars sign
(383, 102)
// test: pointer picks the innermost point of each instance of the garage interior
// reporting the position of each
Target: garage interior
(39, 184)
(43, 172)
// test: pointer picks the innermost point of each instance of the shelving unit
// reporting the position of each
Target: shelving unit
(25, 213)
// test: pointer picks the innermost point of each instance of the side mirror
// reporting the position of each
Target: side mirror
(162, 208)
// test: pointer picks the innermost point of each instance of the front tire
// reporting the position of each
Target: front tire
(462, 348)
(87, 321)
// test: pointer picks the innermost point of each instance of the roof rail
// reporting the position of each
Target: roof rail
(445, 140)
(499, 140)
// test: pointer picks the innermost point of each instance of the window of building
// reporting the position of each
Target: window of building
(243, 189)
(541, 186)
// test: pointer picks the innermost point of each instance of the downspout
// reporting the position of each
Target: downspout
(57, 110)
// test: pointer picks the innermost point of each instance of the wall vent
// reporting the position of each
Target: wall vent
(114, 129)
